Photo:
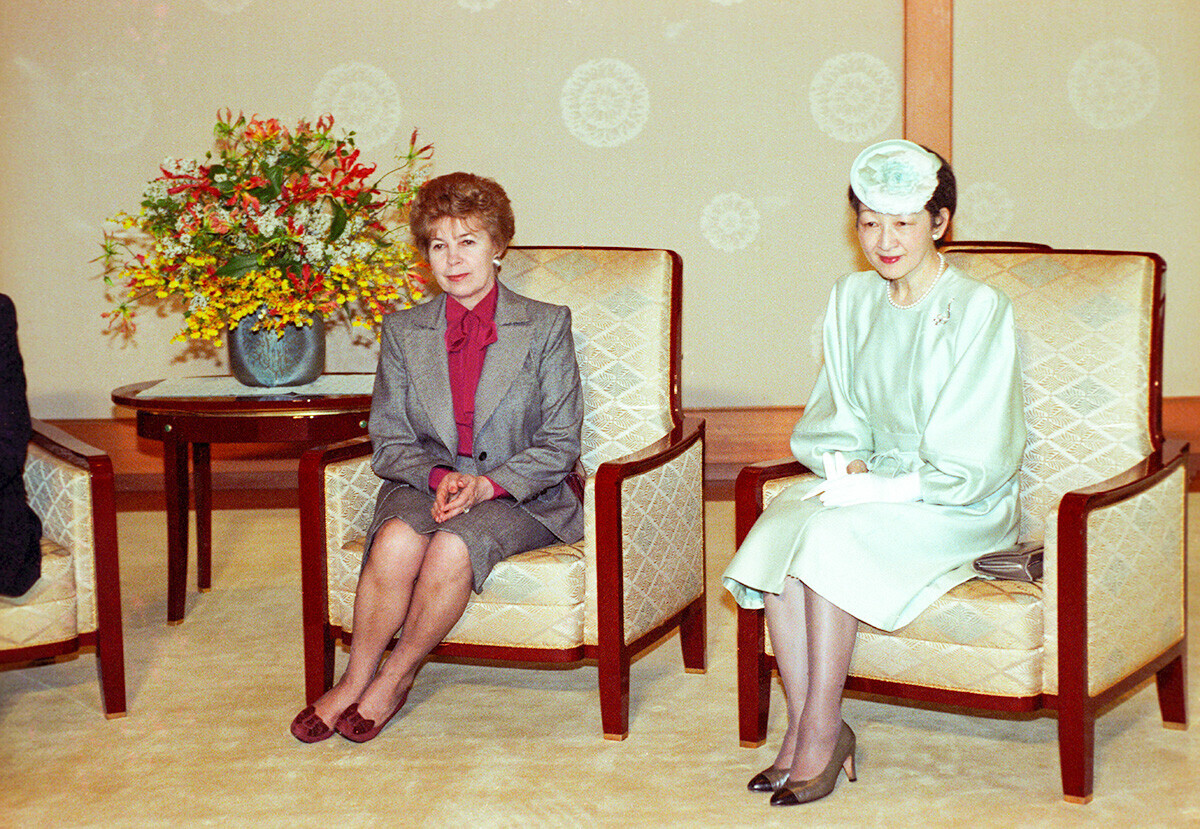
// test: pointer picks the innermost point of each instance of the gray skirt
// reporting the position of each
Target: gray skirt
(492, 530)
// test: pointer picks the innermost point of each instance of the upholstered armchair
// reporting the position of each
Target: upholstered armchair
(638, 572)
(77, 600)
(1099, 485)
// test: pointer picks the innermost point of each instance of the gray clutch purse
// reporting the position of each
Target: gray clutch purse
(1020, 563)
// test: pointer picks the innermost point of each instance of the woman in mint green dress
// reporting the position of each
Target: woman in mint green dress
(915, 424)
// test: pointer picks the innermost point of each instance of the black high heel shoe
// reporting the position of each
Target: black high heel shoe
(769, 779)
(806, 791)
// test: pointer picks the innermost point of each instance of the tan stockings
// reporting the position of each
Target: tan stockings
(813, 640)
(413, 584)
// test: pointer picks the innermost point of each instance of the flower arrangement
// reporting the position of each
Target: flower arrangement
(282, 223)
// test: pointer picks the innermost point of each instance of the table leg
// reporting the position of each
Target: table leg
(202, 483)
(175, 485)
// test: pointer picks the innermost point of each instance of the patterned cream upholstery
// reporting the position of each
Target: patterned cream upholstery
(1090, 353)
(77, 599)
(624, 306)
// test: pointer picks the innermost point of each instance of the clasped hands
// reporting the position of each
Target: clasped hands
(849, 484)
(457, 492)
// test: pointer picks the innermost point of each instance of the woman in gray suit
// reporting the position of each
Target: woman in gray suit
(475, 420)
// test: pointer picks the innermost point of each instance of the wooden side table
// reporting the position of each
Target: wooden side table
(194, 423)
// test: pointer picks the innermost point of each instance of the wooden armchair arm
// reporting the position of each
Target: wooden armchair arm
(97, 559)
(103, 507)
(1121, 596)
(748, 490)
(615, 543)
(313, 503)
(1072, 548)
(666, 448)
(314, 566)
(71, 449)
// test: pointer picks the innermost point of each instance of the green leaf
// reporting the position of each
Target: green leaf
(275, 176)
(238, 265)
(339, 220)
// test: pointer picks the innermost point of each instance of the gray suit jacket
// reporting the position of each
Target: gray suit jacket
(528, 406)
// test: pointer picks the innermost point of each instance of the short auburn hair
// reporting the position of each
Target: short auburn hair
(463, 196)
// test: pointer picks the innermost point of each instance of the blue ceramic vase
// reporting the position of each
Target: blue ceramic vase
(263, 358)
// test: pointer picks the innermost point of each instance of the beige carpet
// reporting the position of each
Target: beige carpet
(206, 740)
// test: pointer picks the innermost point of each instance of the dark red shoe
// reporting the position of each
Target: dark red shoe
(309, 728)
(354, 726)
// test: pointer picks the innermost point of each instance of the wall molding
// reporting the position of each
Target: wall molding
(735, 436)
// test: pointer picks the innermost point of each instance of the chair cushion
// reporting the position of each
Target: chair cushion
(46, 613)
(983, 636)
(981, 613)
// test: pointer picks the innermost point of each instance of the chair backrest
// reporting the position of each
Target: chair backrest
(1090, 337)
(625, 313)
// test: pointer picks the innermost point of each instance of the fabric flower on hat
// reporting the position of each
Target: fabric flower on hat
(896, 177)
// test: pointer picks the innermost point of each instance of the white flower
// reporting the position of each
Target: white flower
(155, 191)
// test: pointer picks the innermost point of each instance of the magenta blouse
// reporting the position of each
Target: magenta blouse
(468, 335)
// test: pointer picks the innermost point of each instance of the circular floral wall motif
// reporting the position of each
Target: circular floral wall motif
(730, 222)
(853, 97)
(1113, 84)
(362, 98)
(605, 103)
(985, 210)
(107, 109)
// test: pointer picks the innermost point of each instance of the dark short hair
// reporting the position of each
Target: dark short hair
(461, 196)
(944, 195)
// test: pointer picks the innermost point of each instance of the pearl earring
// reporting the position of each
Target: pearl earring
(496, 262)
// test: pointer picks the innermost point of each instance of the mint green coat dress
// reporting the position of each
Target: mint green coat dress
(934, 387)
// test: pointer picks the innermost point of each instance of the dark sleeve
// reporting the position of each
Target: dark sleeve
(15, 428)
(20, 529)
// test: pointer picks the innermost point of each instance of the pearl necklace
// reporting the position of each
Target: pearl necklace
(917, 301)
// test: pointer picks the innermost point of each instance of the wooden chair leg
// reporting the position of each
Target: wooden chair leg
(110, 631)
(614, 692)
(754, 679)
(1172, 692)
(1076, 750)
(110, 662)
(693, 636)
(318, 662)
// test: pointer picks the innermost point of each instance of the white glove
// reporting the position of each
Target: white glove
(870, 487)
(835, 468)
